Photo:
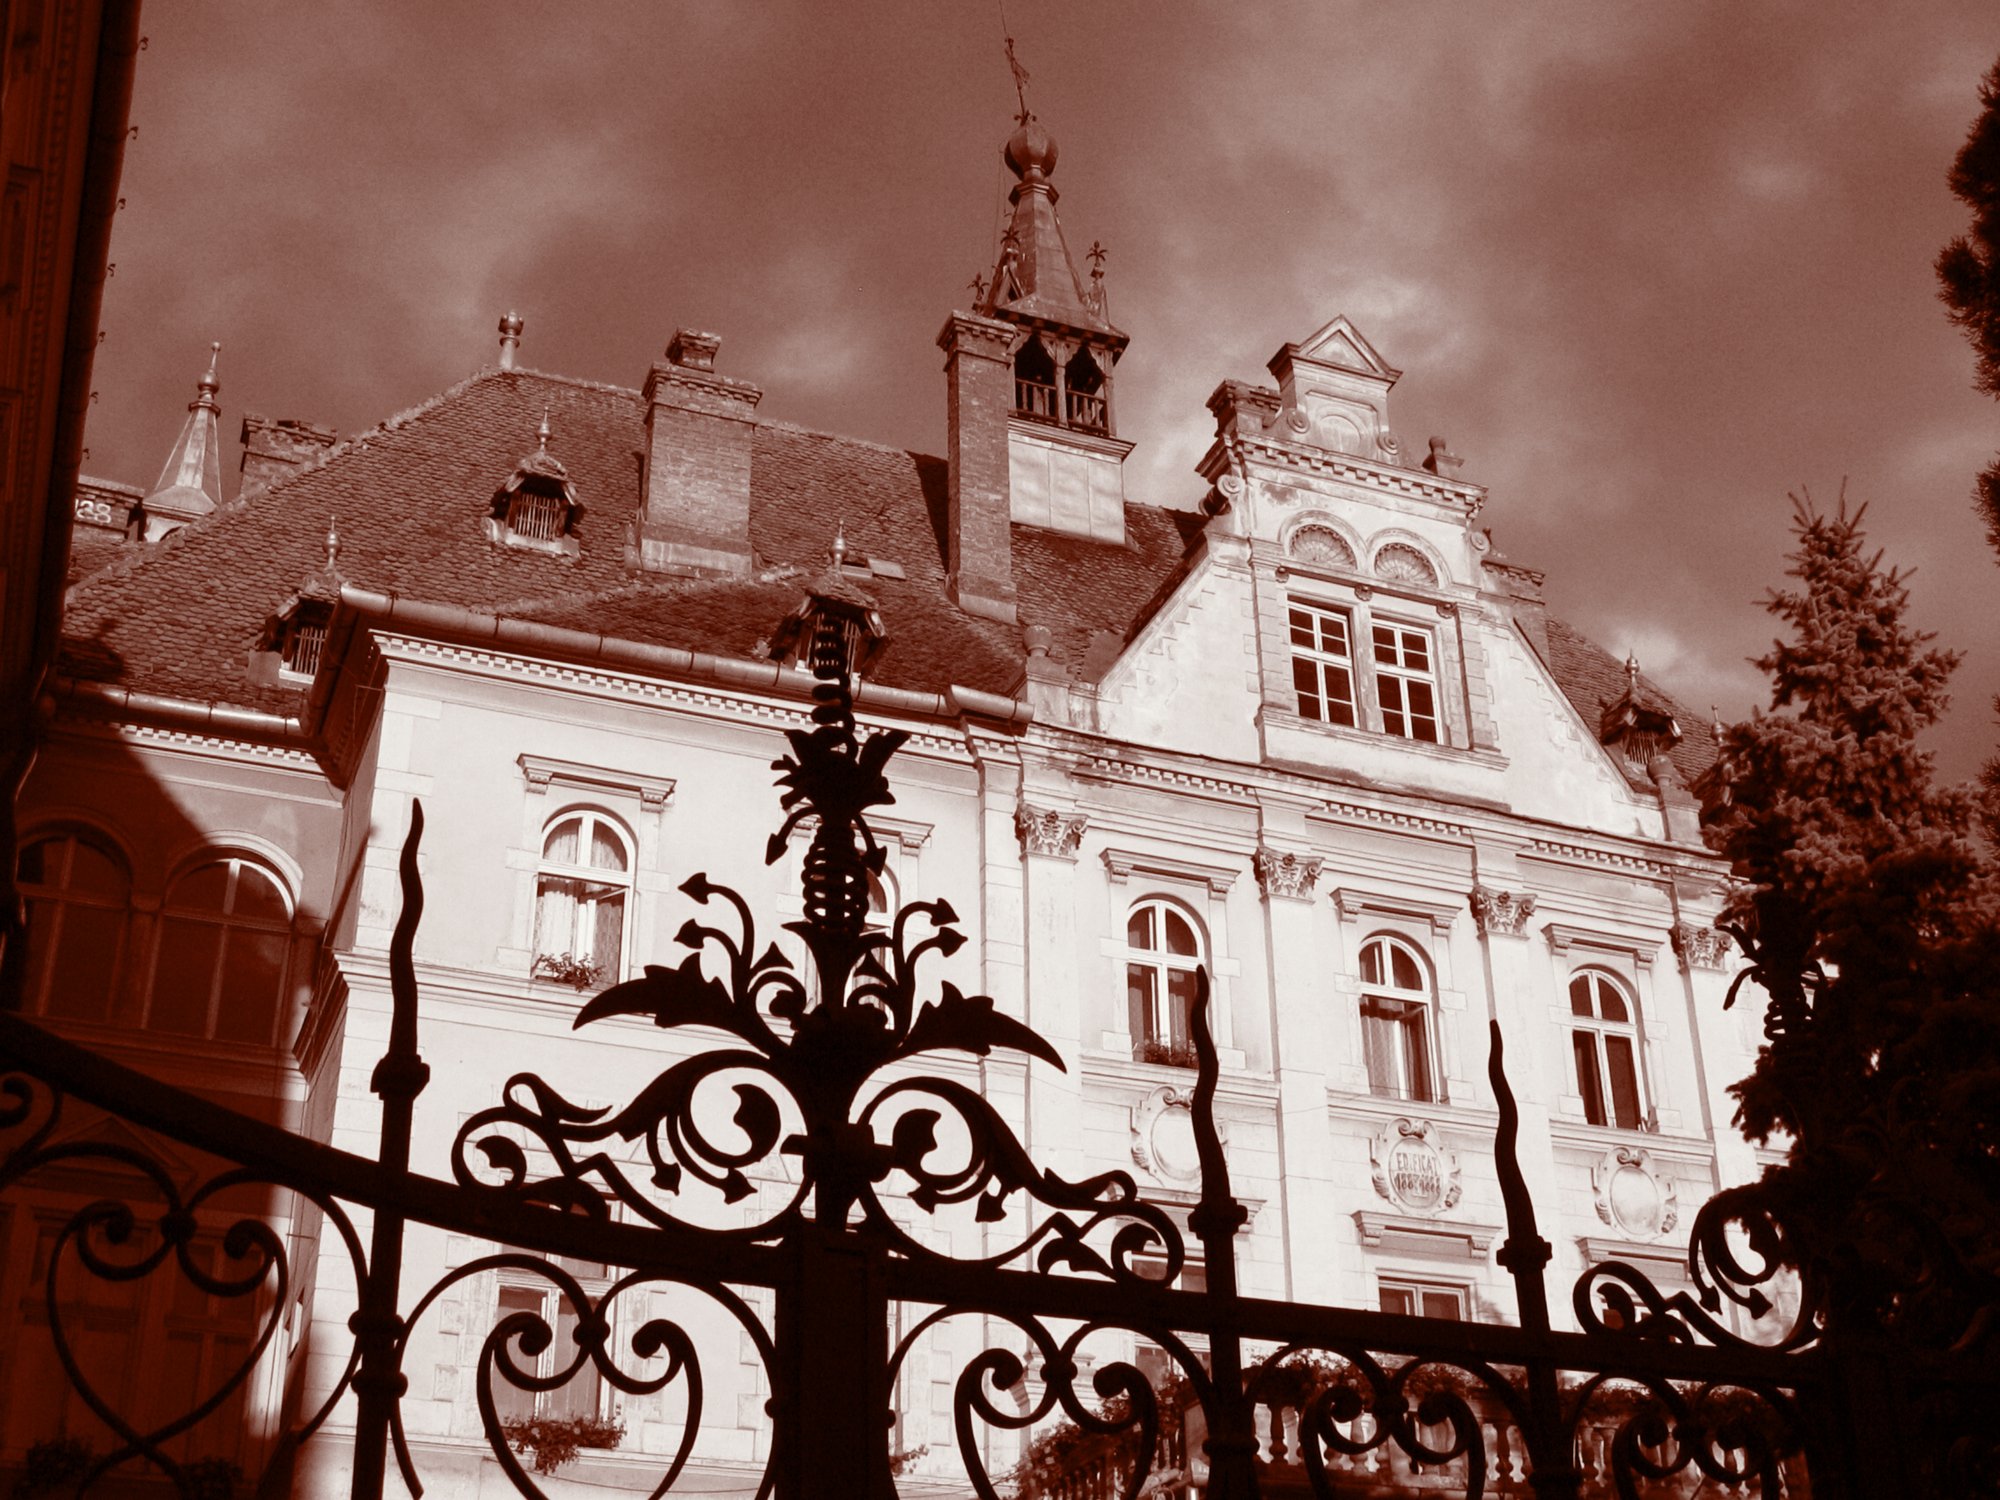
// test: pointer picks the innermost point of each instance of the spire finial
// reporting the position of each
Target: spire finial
(209, 384)
(332, 541)
(1632, 672)
(839, 546)
(1715, 725)
(542, 433)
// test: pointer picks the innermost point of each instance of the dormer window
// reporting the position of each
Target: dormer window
(537, 507)
(302, 638)
(834, 613)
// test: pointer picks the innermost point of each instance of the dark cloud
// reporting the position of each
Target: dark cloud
(1648, 267)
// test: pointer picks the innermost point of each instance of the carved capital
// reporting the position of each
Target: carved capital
(1498, 911)
(1283, 874)
(1043, 830)
(1702, 947)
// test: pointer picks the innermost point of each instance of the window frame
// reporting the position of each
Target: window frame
(58, 899)
(1399, 673)
(540, 1404)
(1163, 964)
(1380, 691)
(622, 882)
(1421, 1000)
(1419, 1288)
(1319, 661)
(229, 922)
(1601, 1090)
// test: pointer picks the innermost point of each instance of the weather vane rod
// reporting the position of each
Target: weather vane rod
(1014, 66)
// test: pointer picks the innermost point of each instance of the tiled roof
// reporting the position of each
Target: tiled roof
(180, 617)
(1592, 677)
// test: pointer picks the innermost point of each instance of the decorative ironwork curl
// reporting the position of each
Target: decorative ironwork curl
(1131, 1407)
(526, 1334)
(107, 1240)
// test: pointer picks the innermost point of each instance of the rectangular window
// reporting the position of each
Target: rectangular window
(1406, 678)
(581, 1394)
(1322, 663)
(1419, 1299)
(1397, 1044)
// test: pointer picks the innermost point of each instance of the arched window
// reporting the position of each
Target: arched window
(1163, 950)
(78, 893)
(1035, 382)
(581, 896)
(1396, 1021)
(1605, 1041)
(219, 965)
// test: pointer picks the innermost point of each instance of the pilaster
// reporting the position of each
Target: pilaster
(1049, 840)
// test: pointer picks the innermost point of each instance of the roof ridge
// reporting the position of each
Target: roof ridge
(841, 437)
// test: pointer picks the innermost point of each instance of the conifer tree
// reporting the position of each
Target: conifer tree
(1969, 282)
(1870, 917)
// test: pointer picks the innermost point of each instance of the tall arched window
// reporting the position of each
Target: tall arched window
(1396, 1020)
(582, 894)
(1163, 950)
(219, 965)
(78, 893)
(1605, 1043)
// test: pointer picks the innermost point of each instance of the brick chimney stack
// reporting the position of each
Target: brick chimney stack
(271, 450)
(694, 513)
(979, 391)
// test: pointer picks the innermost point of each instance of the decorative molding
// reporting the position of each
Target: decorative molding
(1163, 1140)
(910, 835)
(1122, 863)
(1652, 1259)
(1501, 912)
(1284, 874)
(1633, 1195)
(1044, 830)
(1562, 937)
(1412, 1169)
(1425, 1236)
(1469, 499)
(543, 771)
(1702, 947)
(1352, 903)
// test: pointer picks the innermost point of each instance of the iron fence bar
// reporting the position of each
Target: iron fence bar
(1216, 1221)
(1525, 1255)
(292, 1160)
(400, 1075)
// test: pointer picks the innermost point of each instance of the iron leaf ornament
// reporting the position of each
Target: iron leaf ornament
(807, 1047)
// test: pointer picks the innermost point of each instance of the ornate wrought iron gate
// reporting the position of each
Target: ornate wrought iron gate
(1657, 1394)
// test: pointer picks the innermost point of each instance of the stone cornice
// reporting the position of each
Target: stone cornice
(1353, 903)
(1123, 863)
(543, 771)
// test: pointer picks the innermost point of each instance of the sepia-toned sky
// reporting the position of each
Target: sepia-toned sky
(1648, 267)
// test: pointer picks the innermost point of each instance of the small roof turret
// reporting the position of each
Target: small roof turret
(190, 486)
(1035, 279)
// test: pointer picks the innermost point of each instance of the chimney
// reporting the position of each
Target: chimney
(694, 514)
(979, 547)
(271, 450)
(510, 339)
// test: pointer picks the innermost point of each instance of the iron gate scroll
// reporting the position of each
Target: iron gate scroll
(1656, 1395)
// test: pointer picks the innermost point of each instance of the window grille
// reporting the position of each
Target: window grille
(305, 641)
(539, 518)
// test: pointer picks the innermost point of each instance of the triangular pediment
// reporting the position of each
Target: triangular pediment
(1341, 344)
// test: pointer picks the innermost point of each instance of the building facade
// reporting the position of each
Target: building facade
(1305, 728)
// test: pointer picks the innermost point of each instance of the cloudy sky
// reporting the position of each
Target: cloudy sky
(1649, 268)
